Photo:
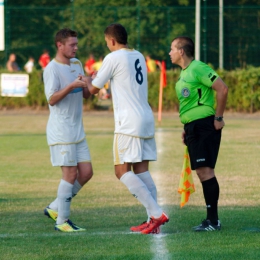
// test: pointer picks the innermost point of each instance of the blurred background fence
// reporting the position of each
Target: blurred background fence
(30, 29)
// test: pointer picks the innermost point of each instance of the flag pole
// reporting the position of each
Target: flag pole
(163, 83)
(160, 102)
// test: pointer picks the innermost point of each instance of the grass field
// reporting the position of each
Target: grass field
(106, 209)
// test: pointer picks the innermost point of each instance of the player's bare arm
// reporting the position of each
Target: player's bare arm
(59, 95)
(222, 91)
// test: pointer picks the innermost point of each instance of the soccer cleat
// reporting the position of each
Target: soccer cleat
(68, 226)
(77, 228)
(156, 230)
(140, 227)
(50, 213)
(154, 224)
(206, 225)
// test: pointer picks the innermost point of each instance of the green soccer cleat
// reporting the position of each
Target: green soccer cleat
(50, 213)
(77, 228)
(68, 226)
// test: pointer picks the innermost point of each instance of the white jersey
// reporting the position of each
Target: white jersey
(127, 72)
(65, 124)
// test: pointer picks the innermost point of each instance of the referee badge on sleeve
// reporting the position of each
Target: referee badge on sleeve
(185, 92)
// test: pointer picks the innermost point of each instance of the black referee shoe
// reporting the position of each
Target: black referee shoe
(206, 225)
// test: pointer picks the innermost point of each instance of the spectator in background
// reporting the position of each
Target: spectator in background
(44, 59)
(102, 94)
(11, 64)
(88, 65)
(97, 65)
(29, 65)
(152, 64)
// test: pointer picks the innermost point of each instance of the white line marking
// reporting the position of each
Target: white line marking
(82, 233)
(158, 245)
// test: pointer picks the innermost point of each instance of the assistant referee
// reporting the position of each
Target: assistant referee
(202, 122)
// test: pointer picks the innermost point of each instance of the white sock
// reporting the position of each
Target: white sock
(64, 199)
(76, 188)
(54, 205)
(148, 181)
(139, 190)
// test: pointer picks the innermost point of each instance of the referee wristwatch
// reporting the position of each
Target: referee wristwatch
(219, 118)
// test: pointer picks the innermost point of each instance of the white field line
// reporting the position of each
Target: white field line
(83, 233)
(58, 234)
(158, 244)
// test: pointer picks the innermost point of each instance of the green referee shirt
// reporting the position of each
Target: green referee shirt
(195, 93)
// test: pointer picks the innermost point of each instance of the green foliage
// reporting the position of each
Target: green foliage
(244, 89)
(243, 84)
(30, 26)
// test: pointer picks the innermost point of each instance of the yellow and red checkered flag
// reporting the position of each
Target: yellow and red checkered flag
(186, 185)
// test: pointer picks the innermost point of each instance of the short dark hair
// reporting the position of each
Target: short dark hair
(63, 34)
(118, 32)
(185, 43)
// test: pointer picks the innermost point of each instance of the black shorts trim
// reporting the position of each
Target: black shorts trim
(203, 142)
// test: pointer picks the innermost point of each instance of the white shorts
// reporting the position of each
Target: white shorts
(69, 154)
(131, 149)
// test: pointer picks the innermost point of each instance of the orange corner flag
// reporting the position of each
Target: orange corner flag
(163, 77)
(186, 185)
(163, 83)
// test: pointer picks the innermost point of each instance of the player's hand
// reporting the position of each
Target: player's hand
(79, 83)
(94, 75)
(183, 137)
(219, 125)
(85, 78)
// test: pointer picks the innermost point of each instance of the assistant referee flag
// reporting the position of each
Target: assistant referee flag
(186, 184)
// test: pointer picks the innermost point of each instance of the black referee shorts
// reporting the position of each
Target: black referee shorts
(203, 141)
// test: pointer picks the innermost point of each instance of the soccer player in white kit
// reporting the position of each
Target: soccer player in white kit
(64, 91)
(134, 143)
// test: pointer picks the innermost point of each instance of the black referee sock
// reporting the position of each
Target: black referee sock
(211, 195)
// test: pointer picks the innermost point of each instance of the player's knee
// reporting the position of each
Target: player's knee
(205, 173)
(88, 175)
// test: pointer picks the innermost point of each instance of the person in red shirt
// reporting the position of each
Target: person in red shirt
(88, 65)
(44, 59)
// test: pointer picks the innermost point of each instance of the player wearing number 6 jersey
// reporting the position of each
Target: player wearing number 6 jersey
(134, 144)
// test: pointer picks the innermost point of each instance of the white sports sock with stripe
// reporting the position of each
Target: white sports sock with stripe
(76, 188)
(139, 190)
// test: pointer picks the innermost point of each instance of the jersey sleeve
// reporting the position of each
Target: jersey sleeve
(104, 74)
(82, 70)
(51, 82)
(206, 75)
